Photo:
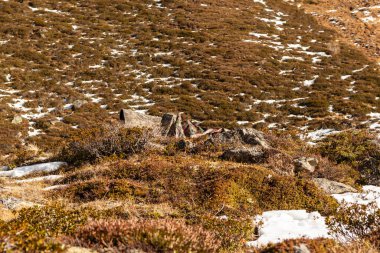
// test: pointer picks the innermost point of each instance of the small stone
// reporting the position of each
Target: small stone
(15, 203)
(4, 168)
(17, 120)
(131, 118)
(308, 164)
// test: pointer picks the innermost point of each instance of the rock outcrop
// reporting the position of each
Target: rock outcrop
(247, 145)
(170, 124)
(242, 136)
(254, 154)
(332, 187)
(305, 164)
(174, 125)
(131, 118)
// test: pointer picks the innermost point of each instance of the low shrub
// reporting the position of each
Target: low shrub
(352, 222)
(104, 189)
(232, 232)
(146, 235)
(91, 144)
(357, 149)
(35, 229)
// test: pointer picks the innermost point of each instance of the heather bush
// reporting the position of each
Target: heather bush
(35, 229)
(99, 189)
(146, 235)
(358, 149)
(354, 221)
(94, 143)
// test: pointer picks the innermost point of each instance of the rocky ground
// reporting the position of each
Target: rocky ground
(241, 190)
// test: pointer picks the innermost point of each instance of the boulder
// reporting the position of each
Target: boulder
(245, 154)
(191, 130)
(242, 136)
(308, 164)
(131, 118)
(174, 125)
(17, 120)
(253, 137)
(176, 129)
(167, 120)
(4, 168)
(332, 187)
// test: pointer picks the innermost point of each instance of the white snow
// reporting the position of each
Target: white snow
(26, 170)
(287, 58)
(55, 187)
(310, 82)
(260, 1)
(359, 70)
(276, 226)
(370, 194)
(319, 134)
(39, 179)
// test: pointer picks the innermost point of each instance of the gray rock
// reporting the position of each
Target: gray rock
(17, 120)
(253, 137)
(131, 118)
(176, 130)
(332, 187)
(245, 154)
(191, 130)
(175, 126)
(4, 168)
(302, 248)
(167, 121)
(243, 136)
(308, 164)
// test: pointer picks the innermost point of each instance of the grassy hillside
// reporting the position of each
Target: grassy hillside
(72, 64)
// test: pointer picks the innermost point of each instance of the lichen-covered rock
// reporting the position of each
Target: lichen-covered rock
(308, 164)
(131, 118)
(253, 137)
(4, 168)
(332, 187)
(245, 154)
(176, 126)
(242, 136)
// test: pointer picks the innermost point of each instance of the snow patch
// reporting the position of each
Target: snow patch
(370, 194)
(39, 179)
(26, 170)
(277, 226)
